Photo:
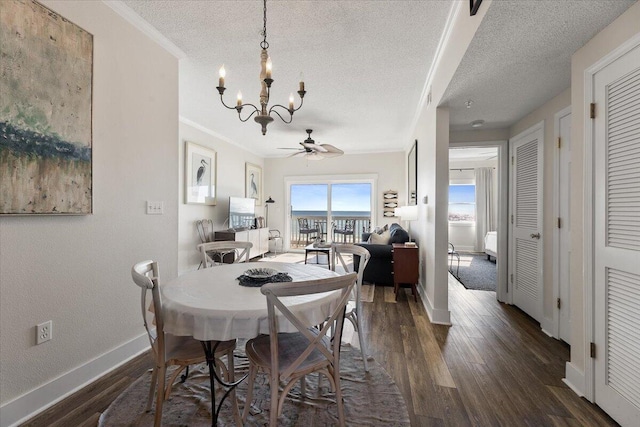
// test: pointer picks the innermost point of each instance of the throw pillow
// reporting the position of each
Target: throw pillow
(379, 239)
(398, 235)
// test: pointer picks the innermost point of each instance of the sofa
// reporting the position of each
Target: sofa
(379, 270)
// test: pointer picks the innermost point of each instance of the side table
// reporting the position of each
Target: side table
(405, 267)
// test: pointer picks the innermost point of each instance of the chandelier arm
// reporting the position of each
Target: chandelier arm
(255, 110)
(278, 114)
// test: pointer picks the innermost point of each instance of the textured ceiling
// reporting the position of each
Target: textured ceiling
(365, 63)
(521, 57)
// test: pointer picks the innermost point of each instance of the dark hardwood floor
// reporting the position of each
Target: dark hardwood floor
(493, 367)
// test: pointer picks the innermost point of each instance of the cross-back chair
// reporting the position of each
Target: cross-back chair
(307, 228)
(288, 357)
(348, 229)
(166, 349)
(215, 253)
(354, 310)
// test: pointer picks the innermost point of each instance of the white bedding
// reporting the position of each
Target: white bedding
(491, 243)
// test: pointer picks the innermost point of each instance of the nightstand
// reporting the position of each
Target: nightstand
(405, 267)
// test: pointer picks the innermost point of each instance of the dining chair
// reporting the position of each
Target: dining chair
(305, 227)
(204, 227)
(347, 230)
(222, 250)
(453, 254)
(354, 308)
(170, 350)
(288, 357)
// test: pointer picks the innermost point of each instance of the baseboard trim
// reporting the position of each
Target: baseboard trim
(548, 325)
(436, 316)
(41, 398)
(575, 379)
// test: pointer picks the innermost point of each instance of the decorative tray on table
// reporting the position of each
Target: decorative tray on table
(260, 273)
(255, 277)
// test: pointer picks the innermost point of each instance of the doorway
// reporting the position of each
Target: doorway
(477, 215)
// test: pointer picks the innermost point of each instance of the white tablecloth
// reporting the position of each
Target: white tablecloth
(209, 304)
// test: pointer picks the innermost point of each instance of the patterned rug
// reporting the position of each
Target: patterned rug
(370, 399)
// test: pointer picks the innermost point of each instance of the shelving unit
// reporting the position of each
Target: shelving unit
(389, 203)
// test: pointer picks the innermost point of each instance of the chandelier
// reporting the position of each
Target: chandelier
(263, 114)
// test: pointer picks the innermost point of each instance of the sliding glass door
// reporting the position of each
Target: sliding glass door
(329, 211)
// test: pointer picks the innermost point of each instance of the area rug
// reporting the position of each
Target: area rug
(476, 272)
(370, 399)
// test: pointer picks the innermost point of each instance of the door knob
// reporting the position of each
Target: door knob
(535, 236)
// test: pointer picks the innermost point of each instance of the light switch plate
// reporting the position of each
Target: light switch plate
(155, 208)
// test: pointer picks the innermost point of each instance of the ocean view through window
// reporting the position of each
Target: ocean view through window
(327, 207)
(462, 203)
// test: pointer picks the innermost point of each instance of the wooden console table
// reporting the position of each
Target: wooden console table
(405, 267)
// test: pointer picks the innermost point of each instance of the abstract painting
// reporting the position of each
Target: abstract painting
(45, 112)
(253, 182)
(200, 174)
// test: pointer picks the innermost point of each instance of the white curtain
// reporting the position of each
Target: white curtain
(485, 205)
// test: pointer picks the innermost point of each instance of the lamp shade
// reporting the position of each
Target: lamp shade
(398, 211)
(409, 213)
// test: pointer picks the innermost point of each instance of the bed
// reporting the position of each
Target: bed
(491, 244)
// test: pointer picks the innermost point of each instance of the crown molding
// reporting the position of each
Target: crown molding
(145, 27)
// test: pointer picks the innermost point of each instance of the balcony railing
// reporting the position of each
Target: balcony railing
(300, 240)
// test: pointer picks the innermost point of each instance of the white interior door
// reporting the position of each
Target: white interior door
(617, 238)
(564, 231)
(526, 221)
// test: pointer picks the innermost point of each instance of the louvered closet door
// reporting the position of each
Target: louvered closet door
(526, 214)
(617, 238)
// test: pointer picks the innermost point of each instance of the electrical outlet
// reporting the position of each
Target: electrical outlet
(44, 332)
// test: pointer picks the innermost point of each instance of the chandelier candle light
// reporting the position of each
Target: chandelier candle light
(263, 116)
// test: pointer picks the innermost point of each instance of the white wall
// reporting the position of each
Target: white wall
(230, 182)
(390, 169)
(75, 270)
(546, 113)
(432, 132)
(616, 33)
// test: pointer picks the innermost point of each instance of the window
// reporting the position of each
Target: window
(462, 203)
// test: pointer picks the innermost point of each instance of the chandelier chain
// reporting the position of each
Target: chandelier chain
(264, 44)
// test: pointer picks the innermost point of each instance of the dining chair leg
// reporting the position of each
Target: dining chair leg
(338, 391)
(363, 346)
(274, 385)
(159, 396)
(250, 384)
(152, 388)
(230, 379)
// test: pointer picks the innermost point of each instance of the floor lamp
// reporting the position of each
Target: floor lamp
(266, 210)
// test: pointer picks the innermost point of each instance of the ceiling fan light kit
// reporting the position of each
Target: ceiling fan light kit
(263, 116)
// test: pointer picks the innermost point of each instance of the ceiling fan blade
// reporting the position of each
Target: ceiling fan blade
(331, 149)
(314, 147)
(288, 148)
(295, 154)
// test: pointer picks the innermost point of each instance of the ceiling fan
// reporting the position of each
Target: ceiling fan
(313, 151)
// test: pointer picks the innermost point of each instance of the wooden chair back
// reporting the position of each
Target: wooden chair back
(146, 275)
(219, 249)
(276, 291)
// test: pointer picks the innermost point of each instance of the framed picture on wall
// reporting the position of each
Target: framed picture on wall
(412, 175)
(199, 174)
(46, 101)
(253, 182)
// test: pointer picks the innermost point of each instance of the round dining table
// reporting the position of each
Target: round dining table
(211, 306)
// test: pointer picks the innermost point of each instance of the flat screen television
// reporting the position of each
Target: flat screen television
(242, 212)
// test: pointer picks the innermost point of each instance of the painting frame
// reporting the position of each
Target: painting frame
(200, 173)
(46, 123)
(253, 182)
(412, 175)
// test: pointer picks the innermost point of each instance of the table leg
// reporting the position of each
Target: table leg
(209, 352)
